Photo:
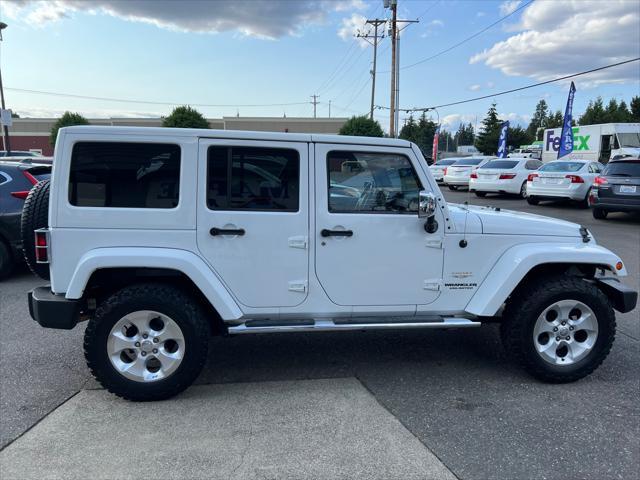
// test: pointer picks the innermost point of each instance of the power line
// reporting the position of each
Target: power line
(424, 109)
(452, 47)
(149, 102)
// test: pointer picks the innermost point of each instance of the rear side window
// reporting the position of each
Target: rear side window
(125, 175)
(253, 178)
(533, 164)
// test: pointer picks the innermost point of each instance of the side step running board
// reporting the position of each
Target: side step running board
(330, 325)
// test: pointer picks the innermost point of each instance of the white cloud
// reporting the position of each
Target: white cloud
(100, 113)
(351, 26)
(432, 26)
(490, 84)
(475, 88)
(453, 121)
(563, 37)
(509, 7)
(480, 14)
(258, 18)
(436, 23)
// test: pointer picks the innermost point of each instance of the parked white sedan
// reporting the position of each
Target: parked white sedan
(458, 173)
(508, 175)
(439, 168)
(563, 180)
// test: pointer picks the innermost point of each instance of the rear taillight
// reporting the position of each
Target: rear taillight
(575, 178)
(600, 181)
(22, 194)
(507, 176)
(473, 175)
(532, 176)
(42, 245)
(444, 172)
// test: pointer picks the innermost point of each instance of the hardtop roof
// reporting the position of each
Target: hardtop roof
(233, 134)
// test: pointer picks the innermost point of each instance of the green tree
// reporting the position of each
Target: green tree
(420, 132)
(362, 126)
(539, 119)
(555, 120)
(464, 135)
(594, 113)
(446, 142)
(66, 120)
(185, 117)
(487, 139)
(635, 109)
(14, 115)
(517, 136)
(624, 115)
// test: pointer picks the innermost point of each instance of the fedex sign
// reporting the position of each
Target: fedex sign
(552, 141)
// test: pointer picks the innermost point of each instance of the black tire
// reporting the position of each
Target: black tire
(524, 308)
(35, 215)
(165, 299)
(532, 200)
(523, 190)
(7, 261)
(453, 187)
(480, 194)
(599, 213)
(585, 203)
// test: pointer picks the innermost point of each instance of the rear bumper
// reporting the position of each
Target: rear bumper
(456, 181)
(623, 298)
(571, 193)
(51, 310)
(498, 186)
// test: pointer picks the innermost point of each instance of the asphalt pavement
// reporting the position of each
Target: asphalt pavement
(455, 391)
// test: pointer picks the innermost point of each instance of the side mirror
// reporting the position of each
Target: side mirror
(428, 204)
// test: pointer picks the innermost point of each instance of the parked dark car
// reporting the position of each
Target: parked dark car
(617, 189)
(16, 180)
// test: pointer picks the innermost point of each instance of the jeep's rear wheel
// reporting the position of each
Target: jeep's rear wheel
(560, 331)
(147, 342)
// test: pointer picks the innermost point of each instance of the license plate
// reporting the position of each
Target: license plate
(552, 181)
(627, 189)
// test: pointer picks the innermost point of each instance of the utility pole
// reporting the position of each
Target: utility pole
(7, 140)
(314, 103)
(376, 22)
(329, 108)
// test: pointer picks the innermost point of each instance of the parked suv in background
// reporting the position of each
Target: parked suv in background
(160, 237)
(16, 180)
(617, 188)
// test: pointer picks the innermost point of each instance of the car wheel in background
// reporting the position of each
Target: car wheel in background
(480, 194)
(599, 213)
(453, 187)
(523, 190)
(533, 201)
(585, 203)
(35, 215)
(6, 261)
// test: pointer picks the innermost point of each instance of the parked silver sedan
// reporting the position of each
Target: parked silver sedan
(563, 180)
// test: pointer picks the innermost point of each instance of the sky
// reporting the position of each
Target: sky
(266, 58)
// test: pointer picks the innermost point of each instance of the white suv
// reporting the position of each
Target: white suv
(162, 237)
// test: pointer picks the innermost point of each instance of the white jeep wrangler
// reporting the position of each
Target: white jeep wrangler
(162, 237)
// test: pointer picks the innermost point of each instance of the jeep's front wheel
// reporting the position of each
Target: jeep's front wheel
(147, 342)
(559, 331)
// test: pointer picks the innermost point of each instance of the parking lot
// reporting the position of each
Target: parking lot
(410, 404)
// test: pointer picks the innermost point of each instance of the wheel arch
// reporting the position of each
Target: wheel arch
(102, 271)
(526, 263)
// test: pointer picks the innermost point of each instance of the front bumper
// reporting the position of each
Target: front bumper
(623, 298)
(51, 310)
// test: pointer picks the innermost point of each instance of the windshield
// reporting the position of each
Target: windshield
(562, 167)
(630, 168)
(500, 164)
(468, 162)
(444, 163)
(629, 139)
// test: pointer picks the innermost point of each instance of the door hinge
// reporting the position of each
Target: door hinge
(298, 242)
(437, 243)
(432, 285)
(298, 286)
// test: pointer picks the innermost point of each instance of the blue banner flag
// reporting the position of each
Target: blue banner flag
(566, 138)
(502, 141)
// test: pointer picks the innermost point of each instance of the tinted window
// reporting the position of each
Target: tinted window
(124, 175)
(501, 164)
(562, 167)
(623, 169)
(468, 161)
(362, 182)
(249, 178)
(533, 164)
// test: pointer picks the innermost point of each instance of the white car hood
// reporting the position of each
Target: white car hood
(510, 222)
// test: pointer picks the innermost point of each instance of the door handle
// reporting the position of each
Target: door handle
(215, 231)
(336, 233)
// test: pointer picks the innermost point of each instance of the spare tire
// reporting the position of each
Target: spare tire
(35, 215)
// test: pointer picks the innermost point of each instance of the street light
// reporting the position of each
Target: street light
(7, 141)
